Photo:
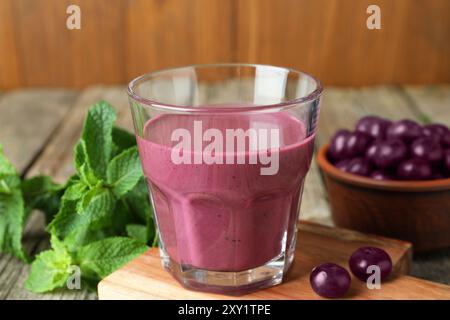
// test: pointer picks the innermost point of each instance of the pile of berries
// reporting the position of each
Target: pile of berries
(387, 150)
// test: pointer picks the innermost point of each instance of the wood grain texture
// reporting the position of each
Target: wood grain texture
(329, 39)
(121, 39)
(50, 54)
(161, 34)
(10, 73)
(118, 40)
(28, 119)
(433, 102)
(147, 273)
(144, 278)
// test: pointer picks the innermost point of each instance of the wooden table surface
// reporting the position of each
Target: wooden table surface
(38, 128)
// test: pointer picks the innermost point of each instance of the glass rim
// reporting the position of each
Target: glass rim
(314, 95)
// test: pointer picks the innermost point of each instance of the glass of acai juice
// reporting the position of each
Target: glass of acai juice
(225, 150)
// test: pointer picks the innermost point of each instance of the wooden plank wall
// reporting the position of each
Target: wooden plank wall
(120, 39)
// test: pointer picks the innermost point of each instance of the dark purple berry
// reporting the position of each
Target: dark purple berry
(437, 176)
(387, 154)
(372, 151)
(359, 166)
(364, 257)
(445, 140)
(435, 129)
(405, 130)
(381, 175)
(356, 144)
(373, 126)
(336, 151)
(330, 280)
(447, 161)
(414, 169)
(343, 165)
(427, 149)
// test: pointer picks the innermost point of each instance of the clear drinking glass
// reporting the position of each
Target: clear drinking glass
(225, 149)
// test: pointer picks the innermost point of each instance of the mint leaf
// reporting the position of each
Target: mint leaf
(75, 191)
(80, 154)
(124, 171)
(4, 187)
(12, 212)
(122, 216)
(138, 201)
(102, 257)
(6, 167)
(7, 183)
(87, 199)
(97, 137)
(83, 236)
(122, 139)
(50, 270)
(12, 216)
(138, 232)
(88, 176)
(42, 193)
(8, 175)
(88, 212)
(64, 216)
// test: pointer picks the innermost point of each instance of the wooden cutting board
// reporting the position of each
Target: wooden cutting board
(145, 278)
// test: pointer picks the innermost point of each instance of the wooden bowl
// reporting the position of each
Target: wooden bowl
(415, 211)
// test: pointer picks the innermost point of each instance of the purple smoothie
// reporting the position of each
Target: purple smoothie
(225, 217)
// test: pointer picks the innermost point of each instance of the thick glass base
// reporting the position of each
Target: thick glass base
(229, 283)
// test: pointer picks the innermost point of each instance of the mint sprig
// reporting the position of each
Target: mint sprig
(52, 268)
(98, 220)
